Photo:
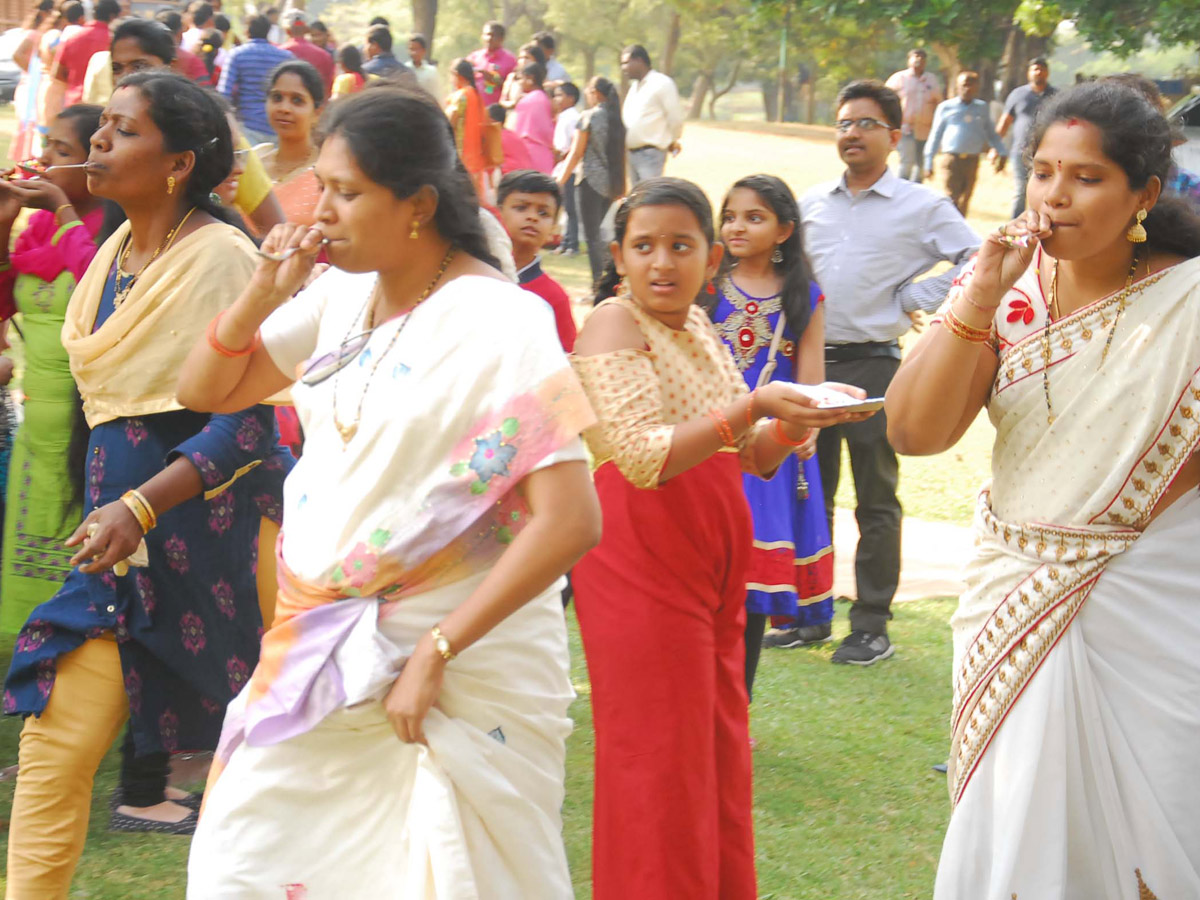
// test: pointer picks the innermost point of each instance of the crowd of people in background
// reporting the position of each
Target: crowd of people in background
(294, 312)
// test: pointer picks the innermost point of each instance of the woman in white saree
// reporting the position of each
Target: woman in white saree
(1077, 641)
(442, 494)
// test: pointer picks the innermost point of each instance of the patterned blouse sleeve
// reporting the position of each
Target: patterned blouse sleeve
(229, 446)
(624, 391)
(956, 288)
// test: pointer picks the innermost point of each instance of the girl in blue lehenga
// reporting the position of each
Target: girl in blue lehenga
(767, 301)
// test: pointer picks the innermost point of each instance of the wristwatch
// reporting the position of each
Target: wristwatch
(441, 644)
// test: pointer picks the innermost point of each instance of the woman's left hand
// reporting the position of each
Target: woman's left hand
(37, 193)
(415, 691)
(808, 449)
(115, 537)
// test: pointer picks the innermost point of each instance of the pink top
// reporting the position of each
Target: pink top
(45, 250)
(515, 154)
(490, 71)
(533, 121)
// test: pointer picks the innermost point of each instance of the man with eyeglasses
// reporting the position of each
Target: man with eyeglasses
(870, 235)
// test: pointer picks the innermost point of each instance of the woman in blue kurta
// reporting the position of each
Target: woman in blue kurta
(171, 640)
(791, 571)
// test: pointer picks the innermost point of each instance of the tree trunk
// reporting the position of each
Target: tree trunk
(424, 16)
(699, 91)
(717, 94)
(589, 63)
(1012, 61)
(770, 98)
(951, 65)
(674, 31)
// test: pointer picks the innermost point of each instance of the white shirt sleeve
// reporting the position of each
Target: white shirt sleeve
(290, 333)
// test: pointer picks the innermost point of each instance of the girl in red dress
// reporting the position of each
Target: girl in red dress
(677, 427)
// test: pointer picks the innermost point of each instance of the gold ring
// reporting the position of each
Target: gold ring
(92, 529)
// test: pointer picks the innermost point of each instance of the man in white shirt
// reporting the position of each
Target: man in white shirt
(920, 95)
(566, 105)
(201, 14)
(426, 72)
(653, 115)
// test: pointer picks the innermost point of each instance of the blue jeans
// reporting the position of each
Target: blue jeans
(1020, 181)
(571, 238)
(646, 162)
(912, 158)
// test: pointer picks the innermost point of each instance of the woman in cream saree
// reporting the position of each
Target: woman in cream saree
(442, 494)
(1076, 670)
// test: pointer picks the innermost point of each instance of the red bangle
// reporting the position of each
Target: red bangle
(750, 420)
(724, 432)
(778, 433)
(221, 348)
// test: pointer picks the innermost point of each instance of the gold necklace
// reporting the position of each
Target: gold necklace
(1121, 299)
(121, 293)
(347, 432)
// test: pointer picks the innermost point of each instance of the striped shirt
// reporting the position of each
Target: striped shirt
(244, 81)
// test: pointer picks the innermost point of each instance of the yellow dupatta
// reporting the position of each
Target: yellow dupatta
(130, 365)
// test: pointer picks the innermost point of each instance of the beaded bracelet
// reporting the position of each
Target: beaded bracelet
(221, 348)
(724, 431)
(963, 331)
(780, 435)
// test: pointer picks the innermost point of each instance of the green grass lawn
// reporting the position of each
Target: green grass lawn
(846, 804)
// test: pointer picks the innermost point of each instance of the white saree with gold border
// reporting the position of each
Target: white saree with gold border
(1076, 721)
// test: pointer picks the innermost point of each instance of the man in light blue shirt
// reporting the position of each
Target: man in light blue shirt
(870, 235)
(962, 130)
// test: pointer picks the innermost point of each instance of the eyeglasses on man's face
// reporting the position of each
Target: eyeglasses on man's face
(866, 123)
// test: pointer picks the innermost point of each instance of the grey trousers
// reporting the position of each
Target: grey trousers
(876, 474)
(912, 158)
(646, 162)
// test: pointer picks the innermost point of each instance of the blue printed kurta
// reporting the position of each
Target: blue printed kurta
(791, 567)
(188, 625)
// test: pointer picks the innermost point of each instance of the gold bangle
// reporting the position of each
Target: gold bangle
(963, 331)
(138, 511)
(441, 644)
(61, 208)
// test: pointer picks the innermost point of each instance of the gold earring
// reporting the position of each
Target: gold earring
(416, 231)
(170, 184)
(1137, 232)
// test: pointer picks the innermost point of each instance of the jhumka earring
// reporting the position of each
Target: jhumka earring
(1137, 231)
(416, 231)
(777, 256)
(170, 184)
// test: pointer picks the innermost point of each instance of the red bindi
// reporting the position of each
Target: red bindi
(1060, 165)
(1072, 122)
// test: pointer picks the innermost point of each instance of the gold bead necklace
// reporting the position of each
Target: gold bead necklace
(121, 293)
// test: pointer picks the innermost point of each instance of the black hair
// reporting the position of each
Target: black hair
(663, 191)
(534, 52)
(570, 90)
(271, 11)
(497, 27)
(171, 19)
(797, 276)
(318, 25)
(38, 14)
(546, 41)
(85, 118)
(349, 57)
(615, 151)
(637, 51)
(403, 141)
(210, 47)
(1038, 61)
(464, 70)
(73, 12)
(190, 119)
(308, 75)
(919, 51)
(201, 13)
(419, 39)
(868, 89)
(221, 23)
(536, 71)
(380, 36)
(378, 20)
(497, 113)
(154, 38)
(527, 181)
(106, 10)
(1137, 137)
(258, 27)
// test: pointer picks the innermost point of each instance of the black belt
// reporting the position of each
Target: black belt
(646, 147)
(835, 353)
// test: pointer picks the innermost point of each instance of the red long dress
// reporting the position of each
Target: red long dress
(661, 606)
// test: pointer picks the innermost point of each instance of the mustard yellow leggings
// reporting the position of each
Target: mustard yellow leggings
(62, 748)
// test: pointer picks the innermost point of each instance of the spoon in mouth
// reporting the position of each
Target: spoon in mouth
(35, 171)
(286, 254)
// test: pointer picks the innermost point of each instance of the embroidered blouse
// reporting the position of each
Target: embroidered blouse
(641, 395)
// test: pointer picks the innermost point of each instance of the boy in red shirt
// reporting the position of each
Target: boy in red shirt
(528, 203)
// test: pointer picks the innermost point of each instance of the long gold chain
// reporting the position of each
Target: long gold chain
(347, 432)
(121, 293)
(1122, 299)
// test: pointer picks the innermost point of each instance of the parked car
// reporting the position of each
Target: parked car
(1186, 115)
(10, 72)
